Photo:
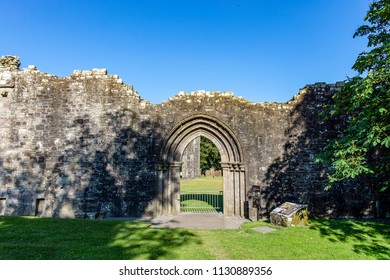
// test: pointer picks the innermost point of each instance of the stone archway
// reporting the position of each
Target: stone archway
(234, 179)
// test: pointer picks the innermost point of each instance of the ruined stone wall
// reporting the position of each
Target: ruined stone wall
(77, 142)
(88, 145)
(191, 160)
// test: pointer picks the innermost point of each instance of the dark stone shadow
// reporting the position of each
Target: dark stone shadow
(108, 173)
(25, 172)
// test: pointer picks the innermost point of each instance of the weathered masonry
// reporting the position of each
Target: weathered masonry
(88, 145)
(190, 168)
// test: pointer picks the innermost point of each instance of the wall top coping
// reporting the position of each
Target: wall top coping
(10, 64)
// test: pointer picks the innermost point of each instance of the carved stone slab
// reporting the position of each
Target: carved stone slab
(289, 214)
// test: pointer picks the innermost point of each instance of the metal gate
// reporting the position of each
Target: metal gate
(201, 202)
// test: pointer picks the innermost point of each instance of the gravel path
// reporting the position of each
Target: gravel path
(199, 221)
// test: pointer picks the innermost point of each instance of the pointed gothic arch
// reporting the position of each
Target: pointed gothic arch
(232, 162)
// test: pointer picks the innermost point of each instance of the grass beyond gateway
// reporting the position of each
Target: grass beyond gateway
(26, 238)
(202, 184)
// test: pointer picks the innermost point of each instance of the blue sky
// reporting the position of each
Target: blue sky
(261, 50)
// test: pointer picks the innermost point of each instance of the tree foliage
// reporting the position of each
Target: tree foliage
(362, 149)
(209, 155)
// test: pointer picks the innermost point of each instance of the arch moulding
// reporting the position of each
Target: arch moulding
(168, 171)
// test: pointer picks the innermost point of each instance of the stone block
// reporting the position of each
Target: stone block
(7, 79)
(9, 62)
(289, 214)
(253, 214)
(99, 71)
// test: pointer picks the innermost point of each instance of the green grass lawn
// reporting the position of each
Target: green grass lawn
(46, 238)
(202, 184)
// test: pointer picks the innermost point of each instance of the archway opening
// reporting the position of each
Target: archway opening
(232, 164)
(201, 178)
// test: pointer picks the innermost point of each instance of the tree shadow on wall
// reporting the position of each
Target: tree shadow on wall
(22, 176)
(109, 171)
(296, 177)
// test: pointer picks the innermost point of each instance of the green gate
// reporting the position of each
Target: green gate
(201, 202)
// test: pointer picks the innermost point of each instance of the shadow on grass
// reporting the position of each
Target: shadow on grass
(140, 242)
(60, 239)
(368, 238)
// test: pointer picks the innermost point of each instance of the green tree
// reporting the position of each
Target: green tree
(361, 150)
(209, 155)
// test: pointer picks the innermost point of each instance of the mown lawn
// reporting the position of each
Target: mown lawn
(46, 238)
(202, 184)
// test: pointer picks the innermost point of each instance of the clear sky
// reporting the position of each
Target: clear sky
(261, 50)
